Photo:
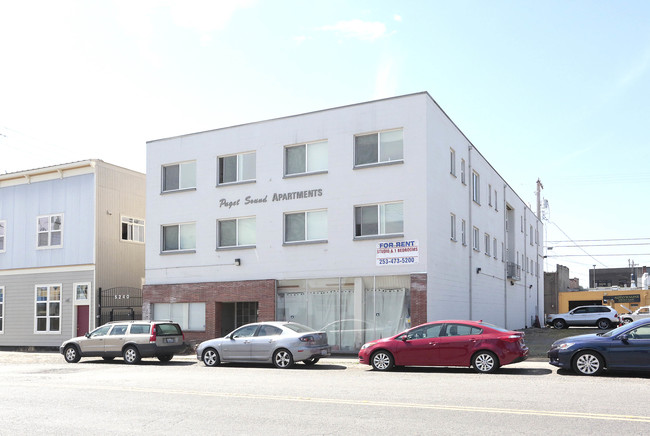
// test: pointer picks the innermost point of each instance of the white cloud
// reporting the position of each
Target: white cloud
(358, 29)
(205, 16)
(398, 18)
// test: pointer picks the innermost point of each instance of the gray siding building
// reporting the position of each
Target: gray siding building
(65, 232)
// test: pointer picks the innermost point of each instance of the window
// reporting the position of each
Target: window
(487, 244)
(490, 195)
(522, 223)
(81, 292)
(463, 233)
(132, 229)
(462, 171)
(305, 158)
(237, 232)
(3, 235)
(496, 201)
(379, 219)
(50, 231)
(378, 148)
(190, 316)
(2, 307)
(531, 266)
(476, 187)
(537, 236)
(179, 176)
(503, 252)
(452, 162)
(453, 227)
(494, 247)
(531, 235)
(179, 237)
(236, 168)
(48, 308)
(476, 244)
(305, 226)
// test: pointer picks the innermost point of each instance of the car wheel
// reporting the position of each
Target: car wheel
(485, 362)
(588, 363)
(108, 358)
(382, 360)
(603, 324)
(165, 357)
(210, 357)
(282, 359)
(131, 355)
(626, 320)
(311, 361)
(559, 324)
(71, 354)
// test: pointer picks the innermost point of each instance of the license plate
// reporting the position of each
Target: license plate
(170, 340)
(323, 352)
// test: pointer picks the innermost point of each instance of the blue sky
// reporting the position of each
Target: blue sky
(556, 90)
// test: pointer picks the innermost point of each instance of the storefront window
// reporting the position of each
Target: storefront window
(352, 310)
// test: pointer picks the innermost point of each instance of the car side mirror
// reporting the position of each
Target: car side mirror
(404, 338)
(624, 338)
(87, 334)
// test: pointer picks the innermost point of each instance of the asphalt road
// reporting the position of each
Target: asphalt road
(41, 394)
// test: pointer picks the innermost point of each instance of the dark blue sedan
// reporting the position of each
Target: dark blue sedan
(624, 348)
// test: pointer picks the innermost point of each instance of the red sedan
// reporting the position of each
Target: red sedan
(483, 346)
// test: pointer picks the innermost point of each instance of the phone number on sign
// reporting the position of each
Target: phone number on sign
(396, 260)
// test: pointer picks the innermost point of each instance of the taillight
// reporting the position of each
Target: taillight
(152, 338)
(511, 338)
(309, 339)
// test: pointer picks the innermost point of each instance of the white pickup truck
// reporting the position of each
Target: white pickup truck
(640, 313)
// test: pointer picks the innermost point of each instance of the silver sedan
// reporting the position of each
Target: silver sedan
(280, 343)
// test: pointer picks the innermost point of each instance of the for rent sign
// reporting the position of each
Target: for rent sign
(398, 253)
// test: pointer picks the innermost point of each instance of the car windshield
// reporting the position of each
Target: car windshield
(298, 328)
(494, 327)
(616, 331)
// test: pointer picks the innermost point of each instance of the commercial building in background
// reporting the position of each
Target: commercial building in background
(360, 220)
(65, 232)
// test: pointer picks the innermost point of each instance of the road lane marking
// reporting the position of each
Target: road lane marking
(550, 413)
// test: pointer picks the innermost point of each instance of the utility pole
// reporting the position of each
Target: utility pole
(539, 199)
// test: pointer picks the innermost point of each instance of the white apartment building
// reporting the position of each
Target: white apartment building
(360, 220)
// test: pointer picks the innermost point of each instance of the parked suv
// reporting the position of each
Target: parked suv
(603, 317)
(640, 313)
(132, 340)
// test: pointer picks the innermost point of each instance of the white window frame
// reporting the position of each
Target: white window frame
(452, 162)
(462, 171)
(531, 235)
(476, 242)
(180, 228)
(180, 166)
(379, 160)
(453, 227)
(2, 309)
(3, 236)
(489, 195)
(186, 311)
(463, 232)
(237, 244)
(305, 213)
(496, 201)
(48, 231)
(239, 177)
(487, 244)
(495, 246)
(380, 222)
(476, 187)
(81, 301)
(132, 224)
(48, 305)
(308, 146)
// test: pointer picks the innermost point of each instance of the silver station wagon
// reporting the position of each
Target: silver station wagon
(131, 340)
(280, 343)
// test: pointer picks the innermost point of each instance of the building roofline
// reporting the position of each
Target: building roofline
(92, 163)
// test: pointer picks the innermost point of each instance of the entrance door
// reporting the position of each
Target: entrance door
(235, 315)
(82, 320)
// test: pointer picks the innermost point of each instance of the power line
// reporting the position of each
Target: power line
(574, 242)
(596, 240)
(597, 245)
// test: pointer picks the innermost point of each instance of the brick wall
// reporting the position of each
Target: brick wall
(418, 299)
(213, 294)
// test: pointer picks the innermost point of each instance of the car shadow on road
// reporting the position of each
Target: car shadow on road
(298, 366)
(456, 370)
(141, 363)
(609, 374)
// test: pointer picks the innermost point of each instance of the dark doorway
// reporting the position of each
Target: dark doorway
(235, 315)
(120, 304)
